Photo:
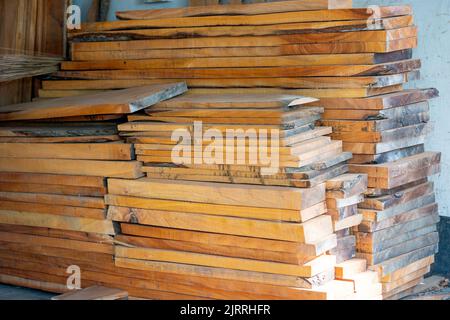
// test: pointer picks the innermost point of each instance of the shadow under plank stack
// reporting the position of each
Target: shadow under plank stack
(55, 158)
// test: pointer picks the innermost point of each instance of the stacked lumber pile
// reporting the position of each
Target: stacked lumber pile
(232, 223)
(344, 193)
(276, 48)
(53, 182)
(252, 128)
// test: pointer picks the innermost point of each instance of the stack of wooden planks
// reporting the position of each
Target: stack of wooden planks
(276, 48)
(219, 220)
(53, 172)
(257, 133)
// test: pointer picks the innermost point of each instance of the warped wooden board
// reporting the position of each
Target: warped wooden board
(399, 249)
(63, 180)
(204, 238)
(217, 31)
(216, 193)
(261, 19)
(310, 269)
(96, 151)
(389, 156)
(237, 62)
(80, 212)
(214, 249)
(141, 49)
(307, 232)
(389, 201)
(350, 267)
(50, 199)
(56, 222)
(57, 243)
(123, 101)
(114, 169)
(404, 260)
(392, 113)
(397, 275)
(399, 167)
(380, 215)
(37, 188)
(272, 72)
(219, 210)
(392, 100)
(233, 9)
(298, 82)
(366, 245)
(378, 192)
(383, 136)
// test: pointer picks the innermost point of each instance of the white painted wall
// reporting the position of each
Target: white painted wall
(433, 19)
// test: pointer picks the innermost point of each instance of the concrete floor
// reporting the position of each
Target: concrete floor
(16, 293)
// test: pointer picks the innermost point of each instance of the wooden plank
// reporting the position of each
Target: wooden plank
(403, 260)
(90, 213)
(215, 249)
(56, 222)
(122, 101)
(95, 151)
(203, 238)
(94, 293)
(273, 72)
(62, 180)
(310, 269)
(229, 62)
(37, 188)
(402, 248)
(387, 101)
(350, 267)
(308, 232)
(233, 9)
(410, 268)
(274, 197)
(403, 196)
(57, 243)
(119, 169)
(142, 50)
(219, 210)
(366, 245)
(301, 16)
(289, 83)
(49, 199)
